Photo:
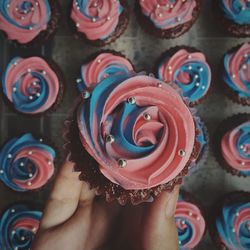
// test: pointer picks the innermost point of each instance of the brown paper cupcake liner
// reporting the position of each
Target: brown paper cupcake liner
(229, 92)
(44, 35)
(171, 33)
(232, 28)
(54, 66)
(119, 30)
(225, 126)
(169, 53)
(227, 199)
(90, 172)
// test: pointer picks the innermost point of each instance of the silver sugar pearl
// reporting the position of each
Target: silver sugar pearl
(131, 100)
(182, 152)
(110, 138)
(122, 163)
(147, 117)
(85, 94)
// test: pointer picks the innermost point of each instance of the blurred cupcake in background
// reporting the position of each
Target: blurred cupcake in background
(236, 74)
(230, 221)
(32, 85)
(29, 22)
(187, 68)
(99, 22)
(167, 19)
(18, 226)
(26, 163)
(232, 144)
(234, 16)
(190, 221)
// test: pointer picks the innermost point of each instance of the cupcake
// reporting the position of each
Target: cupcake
(189, 221)
(29, 22)
(234, 16)
(101, 66)
(131, 137)
(32, 85)
(236, 74)
(167, 19)
(99, 22)
(232, 144)
(230, 228)
(188, 69)
(26, 163)
(18, 226)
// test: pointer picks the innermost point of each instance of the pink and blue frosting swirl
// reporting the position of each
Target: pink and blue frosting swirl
(97, 19)
(18, 226)
(189, 71)
(23, 20)
(237, 11)
(190, 224)
(167, 14)
(233, 226)
(236, 73)
(235, 148)
(104, 65)
(26, 163)
(30, 84)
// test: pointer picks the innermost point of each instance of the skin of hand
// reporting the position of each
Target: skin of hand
(76, 219)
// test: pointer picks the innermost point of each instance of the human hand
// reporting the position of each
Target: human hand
(76, 219)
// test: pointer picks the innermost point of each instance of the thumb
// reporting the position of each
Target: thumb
(160, 229)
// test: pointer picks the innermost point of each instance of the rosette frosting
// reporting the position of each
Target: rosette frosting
(138, 129)
(166, 14)
(103, 66)
(30, 84)
(97, 19)
(237, 11)
(23, 20)
(18, 226)
(235, 148)
(26, 163)
(233, 226)
(189, 71)
(190, 224)
(237, 70)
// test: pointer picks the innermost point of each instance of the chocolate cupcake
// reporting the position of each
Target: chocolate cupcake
(230, 221)
(26, 163)
(32, 85)
(29, 22)
(102, 65)
(236, 74)
(131, 137)
(234, 16)
(188, 68)
(232, 144)
(190, 221)
(99, 22)
(167, 19)
(18, 226)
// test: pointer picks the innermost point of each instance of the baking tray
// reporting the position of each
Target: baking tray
(209, 181)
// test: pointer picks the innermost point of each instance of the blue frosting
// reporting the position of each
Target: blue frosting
(22, 102)
(19, 169)
(229, 80)
(93, 108)
(200, 78)
(84, 8)
(237, 11)
(225, 225)
(24, 7)
(21, 238)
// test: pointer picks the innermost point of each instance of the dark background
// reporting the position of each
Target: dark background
(209, 181)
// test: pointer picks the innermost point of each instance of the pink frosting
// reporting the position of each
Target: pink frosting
(44, 165)
(166, 14)
(94, 72)
(186, 211)
(20, 72)
(171, 129)
(37, 19)
(98, 20)
(28, 224)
